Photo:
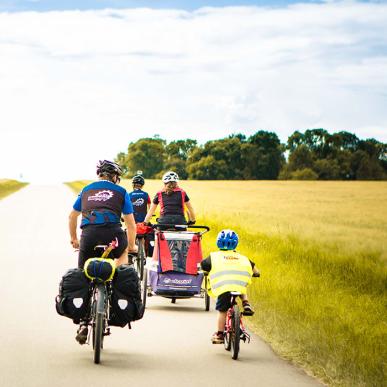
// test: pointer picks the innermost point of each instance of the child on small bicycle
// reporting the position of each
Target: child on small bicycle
(228, 271)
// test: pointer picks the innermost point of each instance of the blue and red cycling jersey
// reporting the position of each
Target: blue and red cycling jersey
(140, 200)
(103, 202)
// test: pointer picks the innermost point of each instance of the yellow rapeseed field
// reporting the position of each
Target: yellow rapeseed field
(8, 186)
(350, 215)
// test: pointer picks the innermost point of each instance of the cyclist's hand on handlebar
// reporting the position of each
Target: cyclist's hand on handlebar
(75, 243)
(191, 222)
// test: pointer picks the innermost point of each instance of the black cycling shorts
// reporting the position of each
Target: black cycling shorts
(94, 235)
(223, 302)
(172, 219)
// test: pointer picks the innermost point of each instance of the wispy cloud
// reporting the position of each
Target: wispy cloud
(99, 79)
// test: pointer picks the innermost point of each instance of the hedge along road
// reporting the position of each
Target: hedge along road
(170, 346)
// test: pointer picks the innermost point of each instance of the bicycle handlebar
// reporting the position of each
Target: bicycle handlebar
(179, 226)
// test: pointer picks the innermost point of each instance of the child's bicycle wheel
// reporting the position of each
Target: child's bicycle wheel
(235, 332)
(207, 299)
(227, 341)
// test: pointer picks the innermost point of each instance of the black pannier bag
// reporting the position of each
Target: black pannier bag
(74, 295)
(126, 304)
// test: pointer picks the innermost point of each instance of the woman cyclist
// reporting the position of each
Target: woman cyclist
(172, 200)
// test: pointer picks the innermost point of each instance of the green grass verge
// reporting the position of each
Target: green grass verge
(318, 307)
(9, 186)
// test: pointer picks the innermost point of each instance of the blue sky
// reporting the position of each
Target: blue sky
(49, 5)
(77, 86)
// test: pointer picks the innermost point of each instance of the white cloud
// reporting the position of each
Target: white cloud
(79, 86)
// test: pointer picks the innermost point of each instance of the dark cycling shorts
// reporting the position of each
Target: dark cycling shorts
(171, 220)
(94, 235)
(223, 302)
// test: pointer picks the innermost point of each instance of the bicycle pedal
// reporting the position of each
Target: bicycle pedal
(246, 336)
(107, 332)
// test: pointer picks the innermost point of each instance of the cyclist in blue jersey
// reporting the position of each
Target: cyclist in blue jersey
(139, 198)
(141, 203)
(101, 204)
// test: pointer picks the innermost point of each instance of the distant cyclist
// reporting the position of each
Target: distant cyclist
(228, 271)
(139, 198)
(173, 201)
(141, 203)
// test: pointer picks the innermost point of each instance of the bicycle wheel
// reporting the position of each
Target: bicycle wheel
(144, 287)
(206, 297)
(235, 332)
(140, 259)
(227, 341)
(98, 321)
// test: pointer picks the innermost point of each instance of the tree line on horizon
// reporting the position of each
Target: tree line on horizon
(313, 155)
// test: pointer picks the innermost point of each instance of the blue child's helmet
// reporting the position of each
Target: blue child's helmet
(227, 240)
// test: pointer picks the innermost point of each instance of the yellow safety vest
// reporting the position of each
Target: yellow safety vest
(230, 272)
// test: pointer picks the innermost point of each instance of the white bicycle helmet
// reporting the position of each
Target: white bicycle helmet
(170, 176)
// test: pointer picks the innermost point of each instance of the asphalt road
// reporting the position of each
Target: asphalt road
(170, 346)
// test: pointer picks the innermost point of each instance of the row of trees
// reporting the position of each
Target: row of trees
(314, 154)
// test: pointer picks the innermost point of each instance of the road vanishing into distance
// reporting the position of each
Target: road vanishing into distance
(170, 346)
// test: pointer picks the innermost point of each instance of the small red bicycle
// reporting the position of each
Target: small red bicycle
(234, 330)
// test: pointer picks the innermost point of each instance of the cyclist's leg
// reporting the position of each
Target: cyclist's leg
(247, 309)
(223, 303)
(122, 259)
(121, 252)
(82, 332)
(86, 246)
(89, 239)
(148, 247)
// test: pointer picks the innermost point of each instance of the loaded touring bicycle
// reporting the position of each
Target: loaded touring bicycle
(101, 296)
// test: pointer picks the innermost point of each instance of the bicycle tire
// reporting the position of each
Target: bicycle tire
(235, 332)
(144, 287)
(227, 341)
(98, 325)
(141, 259)
(207, 299)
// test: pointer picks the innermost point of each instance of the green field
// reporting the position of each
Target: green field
(9, 186)
(322, 250)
